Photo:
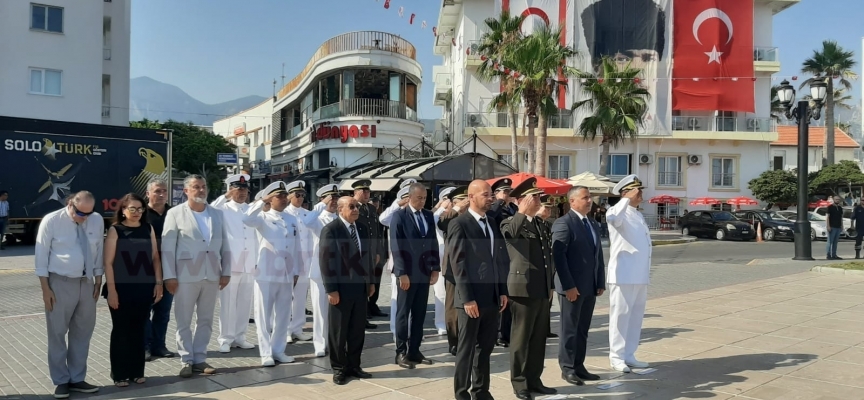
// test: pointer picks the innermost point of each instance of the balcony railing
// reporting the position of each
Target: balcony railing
(726, 124)
(765, 54)
(106, 53)
(106, 111)
(561, 120)
(722, 124)
(365, 40)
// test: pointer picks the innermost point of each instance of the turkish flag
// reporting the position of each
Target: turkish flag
(713, 55)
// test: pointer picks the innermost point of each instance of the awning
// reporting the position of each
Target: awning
(311, 175)
(462, 168)
(378, 185)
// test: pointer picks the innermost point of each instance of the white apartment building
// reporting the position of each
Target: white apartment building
(250, 131)
(65, 60)
(686, 154)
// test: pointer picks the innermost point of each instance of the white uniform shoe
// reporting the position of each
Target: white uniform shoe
(244, 345)
(637, 364)
(301, 336)
(621, 368)
(320, 354)
(284, 359)
(225, 348)
(267, 362)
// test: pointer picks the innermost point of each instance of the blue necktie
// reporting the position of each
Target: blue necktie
(590, 232)
(420, 223)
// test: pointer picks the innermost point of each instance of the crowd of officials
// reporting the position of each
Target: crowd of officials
(491, 256)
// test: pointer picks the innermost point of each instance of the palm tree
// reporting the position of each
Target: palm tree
(841, 99)
(617, 103)
(832, 62)
(502, 34)
(540, 58)
(778, 112)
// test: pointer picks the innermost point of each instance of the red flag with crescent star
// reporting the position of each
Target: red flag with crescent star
(713, 55)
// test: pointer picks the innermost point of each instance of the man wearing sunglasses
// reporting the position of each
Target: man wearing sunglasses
(69, 266)
(297, 196)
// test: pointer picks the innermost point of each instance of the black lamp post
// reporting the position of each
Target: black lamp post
(802, 114)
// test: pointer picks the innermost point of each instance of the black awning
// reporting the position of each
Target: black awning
(310, 175)
(463, 168)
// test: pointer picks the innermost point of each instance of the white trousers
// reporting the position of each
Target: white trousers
(438, 289)
(272, 316)
(235, 305)
(298, 305)
(394, 291)
(198, 298)
(626, 309)
(320, 308)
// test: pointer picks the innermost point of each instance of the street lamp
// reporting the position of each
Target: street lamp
(802, 114)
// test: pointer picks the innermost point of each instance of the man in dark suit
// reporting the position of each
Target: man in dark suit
(345, 258)
(529, 285)
(581, 276)
(369, 217)
(416, 265)
(501, 209)
(458, 206)
(479, 260)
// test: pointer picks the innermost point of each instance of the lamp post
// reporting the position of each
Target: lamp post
(802, 114)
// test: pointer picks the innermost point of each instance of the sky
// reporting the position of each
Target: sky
(220, 50)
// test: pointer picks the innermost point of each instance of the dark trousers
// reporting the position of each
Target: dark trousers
(575, 322)
(346, 335)
(476, 342)
(372, 304)
(127, 335)
(505, 324)
(411, 304)
(155, 329)
(451, 314)
(549, 320)
(528, 348)
(3, 222)
(858, 239)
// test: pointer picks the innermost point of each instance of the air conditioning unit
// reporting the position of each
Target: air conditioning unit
(754, 124)
(693, 123)
(646, 159)
(474, 120)
(474, 47)
(694, 159)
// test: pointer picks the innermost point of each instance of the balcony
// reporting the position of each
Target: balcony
(561, 120)
(106, 53)
(722, 124)
(443, 84)
(766, 59)
(106, 111)
(472, 59)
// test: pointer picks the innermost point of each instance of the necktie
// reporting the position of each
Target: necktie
(420, 223)
(588, 228)
(485, 226)
(85, 247)
(354, 236)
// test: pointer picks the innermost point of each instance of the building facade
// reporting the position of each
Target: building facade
(355, 102)
(784, 151)
(682, 153)
(250, 131)
(69, 60)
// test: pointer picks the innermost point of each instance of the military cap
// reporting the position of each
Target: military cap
(407, 183)
(275, 187)
(526, 188)
(362, 184)
(327, 190)
(296, 186)
(238, 181)
(403, 193)
(460, 193)
(502, 184)
(444, 192)
(629, 182)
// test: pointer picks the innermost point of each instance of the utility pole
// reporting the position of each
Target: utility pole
(283, 74)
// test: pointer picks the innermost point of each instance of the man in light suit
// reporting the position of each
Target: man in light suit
(629, 270)
(416, 266)
(580, 277)
(296, 197)
(195, 267)
(235, 302)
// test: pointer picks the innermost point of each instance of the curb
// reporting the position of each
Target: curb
(661, 242)
(839, 271)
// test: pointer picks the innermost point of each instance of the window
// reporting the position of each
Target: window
(46, 18)
(669, 171)
(559, 167)
(45, 81)
(726, 121)
(723, 172)
(507, 159)
(618, 165)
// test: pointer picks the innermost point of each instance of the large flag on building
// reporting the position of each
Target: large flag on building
(713, 50)
(634, 32)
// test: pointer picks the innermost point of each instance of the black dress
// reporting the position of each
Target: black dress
(134, 280)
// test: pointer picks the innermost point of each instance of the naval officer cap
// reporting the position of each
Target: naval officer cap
(502, 184)
(546, 200)
(528, 187)
(407, 182)
(275, 187)
(403, 193)
(628, 183)
(362, 184)
(327, 190)
(458, 194)
(238, 181)
(444, 192)
(296, 186)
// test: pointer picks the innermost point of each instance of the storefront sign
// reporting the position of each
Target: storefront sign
(344, 132)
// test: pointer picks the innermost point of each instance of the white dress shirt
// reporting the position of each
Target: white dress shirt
(300, 214)
(629, 245)
(590, 226)
(59, 251)
(279, 244)
(205, 224)
(356, 231)
(242, 239)
(487, 227)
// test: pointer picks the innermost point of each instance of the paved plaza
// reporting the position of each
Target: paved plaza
(760, 329)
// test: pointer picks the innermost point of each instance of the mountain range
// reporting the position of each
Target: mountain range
(154, 100)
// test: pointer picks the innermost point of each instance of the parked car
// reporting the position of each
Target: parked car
(721, 225)
(817, 224)
(847, 219)
(773, 225)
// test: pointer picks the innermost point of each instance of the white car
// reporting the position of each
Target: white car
(847, 219)
(817, 224)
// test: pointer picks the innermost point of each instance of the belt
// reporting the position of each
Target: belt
(66, 278)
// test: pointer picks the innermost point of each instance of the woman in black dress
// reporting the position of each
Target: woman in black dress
(133, 282)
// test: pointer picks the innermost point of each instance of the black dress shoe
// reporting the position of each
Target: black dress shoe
(251, 320)
(360, 373)
(402, 361)
(163, 354)
(339, 378)
(572, 379)
(523, 394)
(420, 359)
(502, 343)
(453, 350)
(551, 335)
(308, 312)
(370, 325)
(147, 356)
(543, 389)
(585, 375)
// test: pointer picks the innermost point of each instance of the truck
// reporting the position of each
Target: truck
(42, 162)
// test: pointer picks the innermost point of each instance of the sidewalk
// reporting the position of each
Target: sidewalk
(793, 337)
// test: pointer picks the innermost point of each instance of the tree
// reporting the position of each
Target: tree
(775, 186)
(845, 173)
(618, 105)
(502, 35)
(832, 62)
(193, 150)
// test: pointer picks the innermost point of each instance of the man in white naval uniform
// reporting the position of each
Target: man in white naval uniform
(323, 213)
(236, 299)
(296, 197)
(278, 263)
(400, 202)
(438, 287)
(628, 276)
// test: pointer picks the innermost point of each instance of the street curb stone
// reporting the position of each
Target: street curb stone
(661, 242)
(840, 271)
